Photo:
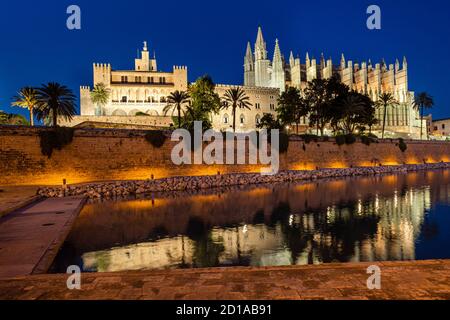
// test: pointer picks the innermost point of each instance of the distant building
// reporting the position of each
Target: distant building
(441, 127)
(365, 78)
(143, 89)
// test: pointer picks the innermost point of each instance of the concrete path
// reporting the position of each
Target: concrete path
(13, 198)
(31, 237)
(399, 280)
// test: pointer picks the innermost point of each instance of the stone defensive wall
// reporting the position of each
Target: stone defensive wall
(107, 154)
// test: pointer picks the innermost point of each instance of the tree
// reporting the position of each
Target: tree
(423, 101)
(355, 111)
(203, 103)
(175, 101)
(291, 107)
(55, 100)
(320, 98)
(236, 97)
(100, 97)
(385, 100)
(12, 119)
(26, 98)
(269, 122)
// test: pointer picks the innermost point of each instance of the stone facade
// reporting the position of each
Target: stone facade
(263, 100)
(367, 78)
(441, 128)
(145, 90)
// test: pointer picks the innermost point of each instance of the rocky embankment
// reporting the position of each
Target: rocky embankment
(127, 188)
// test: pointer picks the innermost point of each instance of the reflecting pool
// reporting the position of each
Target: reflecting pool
(392, 217)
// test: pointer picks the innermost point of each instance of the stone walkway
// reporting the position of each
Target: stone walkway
(15, 197)
(31, 237)
(399, 280)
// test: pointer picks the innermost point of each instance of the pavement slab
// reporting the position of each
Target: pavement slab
(346, 281)
(31, 237)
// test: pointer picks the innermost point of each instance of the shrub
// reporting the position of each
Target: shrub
(55, 138)
(402, 145)
(156, 138)
(340, 140)
(284, 142)
(345, 139)
(367, 140)
(308, 138)
(350, 139)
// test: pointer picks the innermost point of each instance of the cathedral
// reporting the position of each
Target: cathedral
(367, 78)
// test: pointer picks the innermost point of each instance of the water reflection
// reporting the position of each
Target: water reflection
(362, 219)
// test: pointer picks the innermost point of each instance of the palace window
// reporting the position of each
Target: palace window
(272, 106)
(225, 119)
(257, 119)
(257, 106)
(242, 119)
(162, 80)
(150, 80)
(124, 99)
(443, 126)
(124, 79)
(138, 79)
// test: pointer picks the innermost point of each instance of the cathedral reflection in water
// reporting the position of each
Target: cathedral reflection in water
(351, 220)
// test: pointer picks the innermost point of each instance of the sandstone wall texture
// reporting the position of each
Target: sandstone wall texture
(105, 155)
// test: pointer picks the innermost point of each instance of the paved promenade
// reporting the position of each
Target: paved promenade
(31, 237)
(15, 197)
(399, 280)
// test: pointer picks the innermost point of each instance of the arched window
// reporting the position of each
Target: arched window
(225, 118)
(242, 119)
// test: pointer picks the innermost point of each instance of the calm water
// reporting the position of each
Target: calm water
(396, 217)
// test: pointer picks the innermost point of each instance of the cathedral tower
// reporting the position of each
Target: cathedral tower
(278, 75)
(262, 64)
(249, 67)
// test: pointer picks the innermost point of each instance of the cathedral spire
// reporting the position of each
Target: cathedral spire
(249, 54)
(260, 38)
(260, 46)
(277, 53)
(291, 59)
(342, 61)
(322, 60)
(278, 75)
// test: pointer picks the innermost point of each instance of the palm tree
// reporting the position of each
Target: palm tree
(55, 100)
(423, 101)
(100, 96)
(236, 97)
(175, 101)
(26, 98)
(385, 100)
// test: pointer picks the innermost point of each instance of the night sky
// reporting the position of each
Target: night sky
(36, 46)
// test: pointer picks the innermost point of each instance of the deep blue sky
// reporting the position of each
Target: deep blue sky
(36, 46)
